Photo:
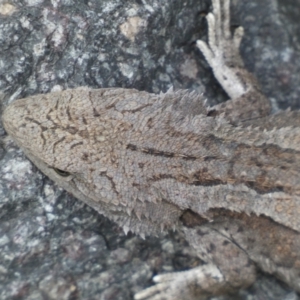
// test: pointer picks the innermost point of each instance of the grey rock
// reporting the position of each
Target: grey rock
(53, 246)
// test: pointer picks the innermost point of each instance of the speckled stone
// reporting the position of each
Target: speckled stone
(52, 246)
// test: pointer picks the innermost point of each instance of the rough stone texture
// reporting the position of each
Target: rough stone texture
(54, 247)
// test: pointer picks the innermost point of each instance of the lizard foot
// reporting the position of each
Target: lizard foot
(187, 285)
(222, 54)
(222, 49)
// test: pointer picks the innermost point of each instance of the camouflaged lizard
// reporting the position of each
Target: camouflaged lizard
(228, 176)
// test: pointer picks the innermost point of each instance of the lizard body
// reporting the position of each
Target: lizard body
(221, 174)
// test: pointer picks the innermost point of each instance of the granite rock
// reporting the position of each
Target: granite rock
(53, 246)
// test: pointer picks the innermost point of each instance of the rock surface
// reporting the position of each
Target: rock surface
(53, 246)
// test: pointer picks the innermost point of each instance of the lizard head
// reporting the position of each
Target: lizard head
(63, 128)
(66, 136)
(79, 138)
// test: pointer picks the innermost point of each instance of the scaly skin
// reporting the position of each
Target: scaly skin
(225, 175)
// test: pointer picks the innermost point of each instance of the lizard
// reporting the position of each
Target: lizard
(227, 175)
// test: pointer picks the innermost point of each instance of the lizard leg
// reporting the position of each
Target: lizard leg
(222, 53)
(181, 285)
(228, 270)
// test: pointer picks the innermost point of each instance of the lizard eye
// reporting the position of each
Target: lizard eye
(62, 172)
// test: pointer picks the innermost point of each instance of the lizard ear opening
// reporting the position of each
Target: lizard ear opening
(62, 172)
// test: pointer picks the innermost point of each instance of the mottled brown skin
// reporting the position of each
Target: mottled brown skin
(228, 176)
(273, 247)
